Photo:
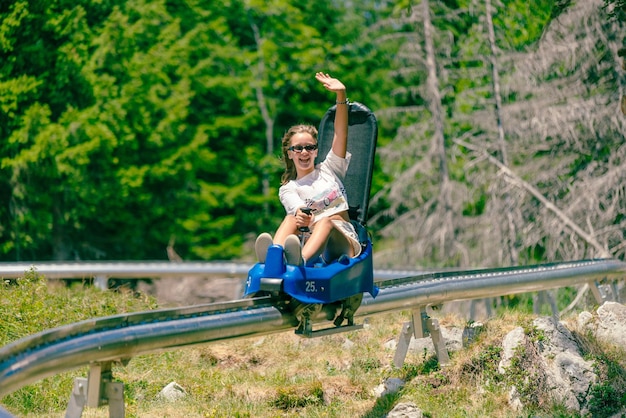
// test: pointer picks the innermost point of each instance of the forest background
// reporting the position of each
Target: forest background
(127, 127)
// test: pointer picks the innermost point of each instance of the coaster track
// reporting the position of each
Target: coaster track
(122, 337)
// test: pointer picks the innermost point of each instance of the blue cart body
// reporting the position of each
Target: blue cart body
(318, 284)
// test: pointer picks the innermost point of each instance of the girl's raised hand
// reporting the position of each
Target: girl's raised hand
(329, 82)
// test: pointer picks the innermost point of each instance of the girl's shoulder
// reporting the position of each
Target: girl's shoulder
(291, 184)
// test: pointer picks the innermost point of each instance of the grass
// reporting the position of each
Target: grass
(283, 375)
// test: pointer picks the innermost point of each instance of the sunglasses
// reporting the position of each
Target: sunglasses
(300, 148)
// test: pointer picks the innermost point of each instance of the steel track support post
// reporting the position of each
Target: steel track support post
(101, 389)
(615, 290)
(115, 395)
(597, 292)
(99, 374)
(403, 344)
(78, 399)
(418, 322)
(608, 292)
(101, 281)
(414, 328)
(432, 325)
(420, 326)
(96, 390)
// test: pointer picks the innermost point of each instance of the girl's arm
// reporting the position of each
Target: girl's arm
(340, 139)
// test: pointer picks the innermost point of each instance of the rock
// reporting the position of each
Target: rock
(172, 392)
(405, 410)
(389, 386)
(347, 344)
(391, 344)
(585, 321)
(453, 337)
(568, 374)
(511, 341)
(552, 364)
(470, 332)
(611, 325)
(559, 338)
(554, 361)
(514, 400)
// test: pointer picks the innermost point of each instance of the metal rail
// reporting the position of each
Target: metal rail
(125, 336)
(122, 337)
(120, 269)
(439, 287)
(101, 272)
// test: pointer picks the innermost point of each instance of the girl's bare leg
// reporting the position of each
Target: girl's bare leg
(338, 245)
(326, 239)
(286, 228)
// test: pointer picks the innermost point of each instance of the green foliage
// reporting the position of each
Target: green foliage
(485, 363)
(130, 125)
(126, 126)
(616, 8)
(27, 303)
(525, 22)
(608, 395)
(26, 306)
(428, 366)
(366, 364)
(299, 396)
(605, 400)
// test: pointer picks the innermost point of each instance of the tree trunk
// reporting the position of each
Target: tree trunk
(268, 119)
(495, 82)
(436, 109)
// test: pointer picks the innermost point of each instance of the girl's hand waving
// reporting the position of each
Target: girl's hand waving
(330, 83)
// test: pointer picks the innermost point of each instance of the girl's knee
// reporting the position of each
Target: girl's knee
(325, 223)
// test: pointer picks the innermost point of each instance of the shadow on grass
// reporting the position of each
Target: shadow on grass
(386, 403)
(383, 405)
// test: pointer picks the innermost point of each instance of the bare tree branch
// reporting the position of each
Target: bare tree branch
(517, 181)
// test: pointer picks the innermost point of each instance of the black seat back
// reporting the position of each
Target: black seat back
(362, 137)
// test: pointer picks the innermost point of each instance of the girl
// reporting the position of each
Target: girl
(315, 188)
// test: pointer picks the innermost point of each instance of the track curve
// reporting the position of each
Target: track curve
(122, 337)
